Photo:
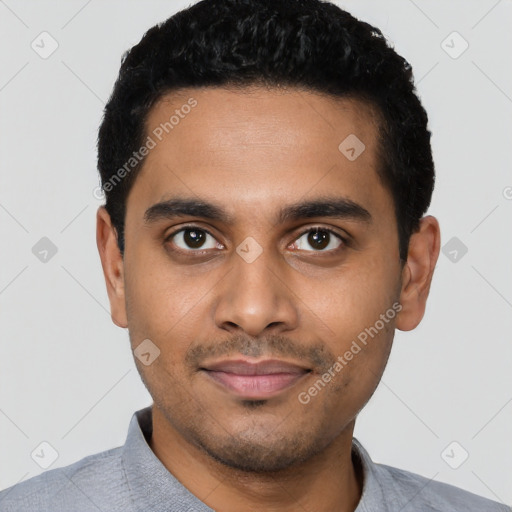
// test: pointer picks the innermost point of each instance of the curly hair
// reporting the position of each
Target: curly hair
(310, 44)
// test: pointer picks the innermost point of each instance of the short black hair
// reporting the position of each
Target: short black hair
(309, 44)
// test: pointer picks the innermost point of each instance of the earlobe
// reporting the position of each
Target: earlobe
(417, 273)
(113, 266)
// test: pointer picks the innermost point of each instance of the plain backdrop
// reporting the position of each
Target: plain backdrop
(67, 375)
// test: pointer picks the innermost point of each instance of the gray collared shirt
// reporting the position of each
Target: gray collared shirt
(131, 478)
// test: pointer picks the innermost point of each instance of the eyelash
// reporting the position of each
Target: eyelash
(345, 241)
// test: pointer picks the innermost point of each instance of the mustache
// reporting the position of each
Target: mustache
(315, 355)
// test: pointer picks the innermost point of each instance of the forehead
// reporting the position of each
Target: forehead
(255, 148)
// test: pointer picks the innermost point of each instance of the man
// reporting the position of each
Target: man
(267, 166)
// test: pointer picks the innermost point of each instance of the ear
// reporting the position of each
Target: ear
(417, 273)
(113, 266)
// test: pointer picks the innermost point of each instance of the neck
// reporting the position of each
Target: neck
(329, 481)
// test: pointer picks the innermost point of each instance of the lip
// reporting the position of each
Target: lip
(255, 380)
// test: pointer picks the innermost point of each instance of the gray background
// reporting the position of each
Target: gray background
(67, 376)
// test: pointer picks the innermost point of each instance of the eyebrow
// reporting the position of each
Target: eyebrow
(332, 207)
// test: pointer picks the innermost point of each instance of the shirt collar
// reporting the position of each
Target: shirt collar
(373, 496)
(152, 485)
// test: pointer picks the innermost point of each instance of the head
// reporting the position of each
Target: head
(266, 166)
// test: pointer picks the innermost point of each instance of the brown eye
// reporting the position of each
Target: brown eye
(320, 239)
(191, 238)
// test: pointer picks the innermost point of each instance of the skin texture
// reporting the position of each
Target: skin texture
(252, 152)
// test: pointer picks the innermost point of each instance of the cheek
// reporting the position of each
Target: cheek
(170, 309)
(354, 310)
(159, 294)
(352, 299)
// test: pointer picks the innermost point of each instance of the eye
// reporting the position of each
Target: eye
(193, 239)
(320, 238)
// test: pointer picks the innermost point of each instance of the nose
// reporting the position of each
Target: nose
(254, 296)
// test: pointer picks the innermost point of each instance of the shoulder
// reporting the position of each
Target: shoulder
(87, 484)
(418, 493)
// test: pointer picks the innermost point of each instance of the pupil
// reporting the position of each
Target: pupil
(319, 239)
(193, 238)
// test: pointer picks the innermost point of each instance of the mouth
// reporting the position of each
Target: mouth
(255, 380)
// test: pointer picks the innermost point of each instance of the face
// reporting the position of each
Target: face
(223, 268)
